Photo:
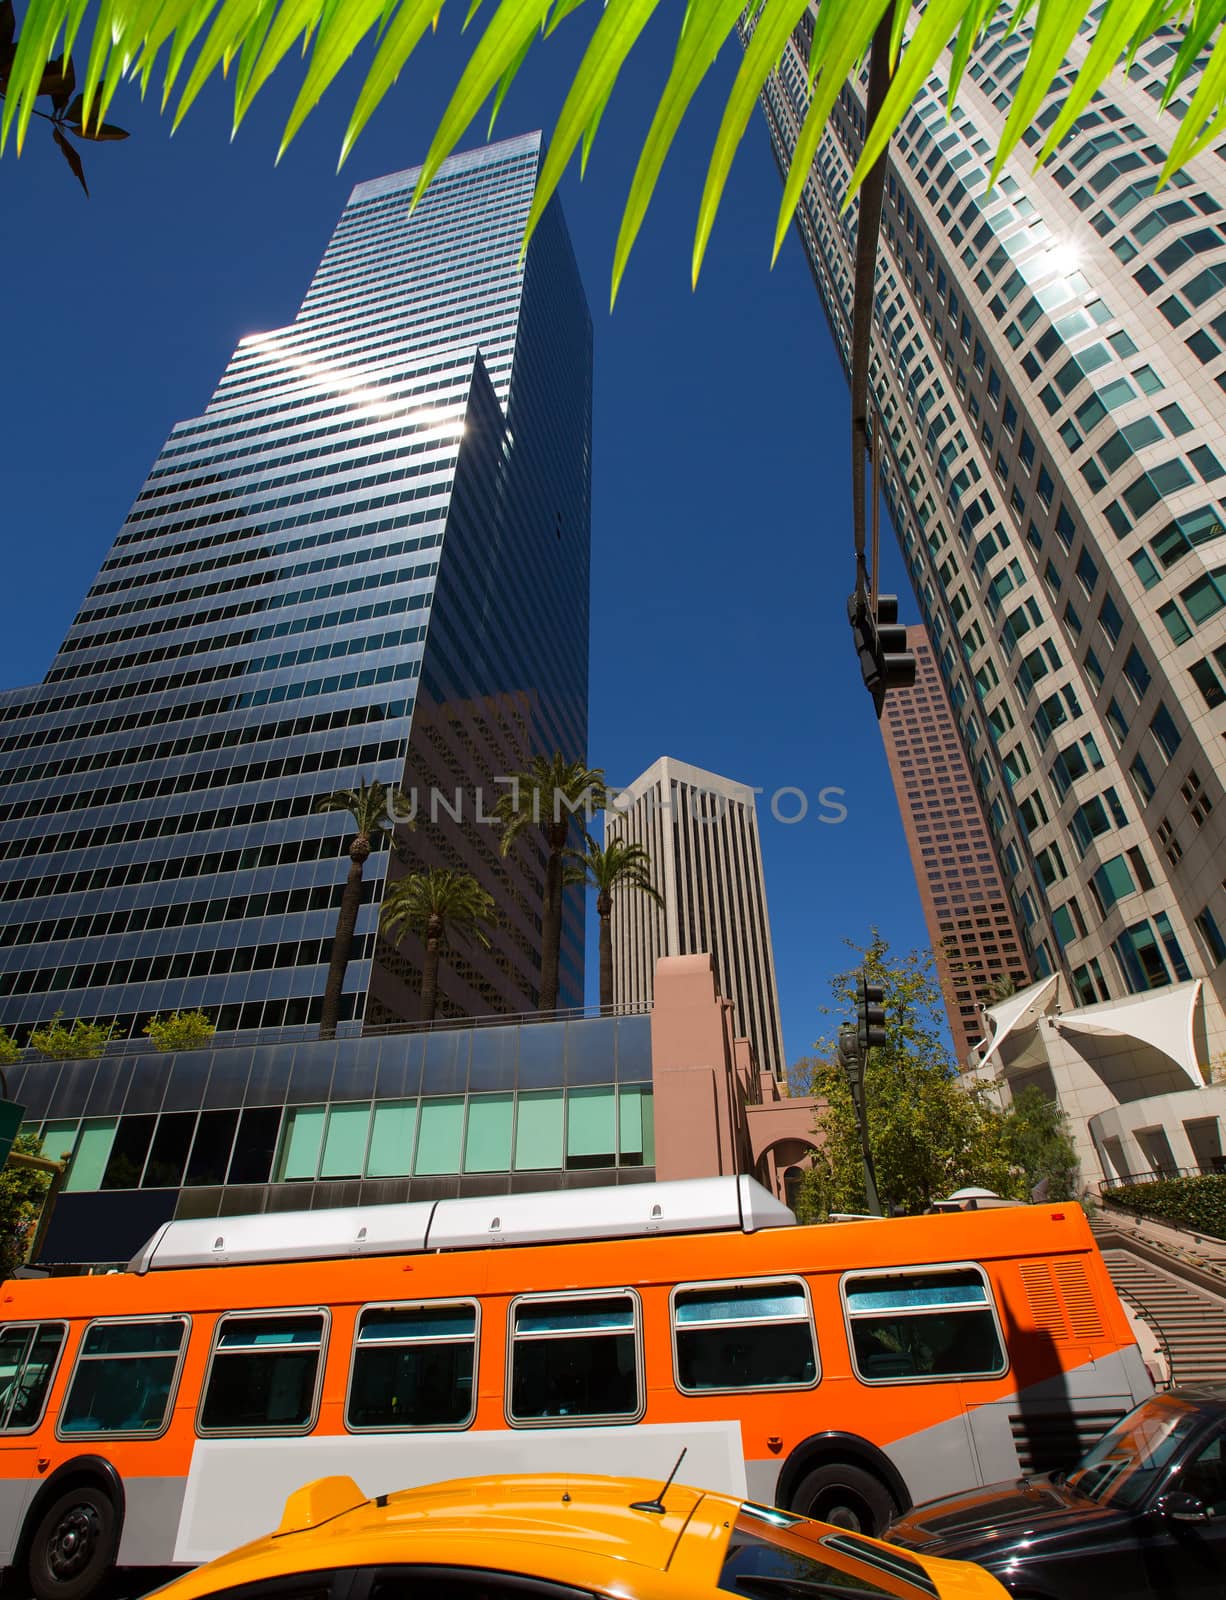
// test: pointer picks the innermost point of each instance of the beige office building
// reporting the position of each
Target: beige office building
(1047, 370)
(701, 832)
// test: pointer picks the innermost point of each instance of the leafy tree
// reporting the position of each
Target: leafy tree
(433, 905)
(1037, 1142)
(128, 39)
(376, 808)
(929, 1135)
(21, 1203)
(56, 81)
(610, 868)
(10, 1051)
(548, 795)
(1002, 987)
(181, 1030)
(62, 1041)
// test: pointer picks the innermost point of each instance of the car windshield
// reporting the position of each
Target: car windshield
(1129, 1459)
(773, 1555)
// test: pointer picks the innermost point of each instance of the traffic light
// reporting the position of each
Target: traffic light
(870, 1014)
(881, 644)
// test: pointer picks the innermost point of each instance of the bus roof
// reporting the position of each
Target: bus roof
(690, 1205)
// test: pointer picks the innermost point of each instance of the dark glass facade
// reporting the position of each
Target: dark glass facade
(367, 558)
(429, 1115)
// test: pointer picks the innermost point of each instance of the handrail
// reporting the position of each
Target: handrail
(1151, 1322)
(308, 1033)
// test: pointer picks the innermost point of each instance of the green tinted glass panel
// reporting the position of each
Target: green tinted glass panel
(487, 1139)
(438, 1136)
(391, 1140)
(590, 1123)
(345, 1142)
(58, 1139)
(538, 1131)
(250, 1333)
(300, 1142)
(574, 1316)
(633, 1103)
(92, 1152)
(427, 1322)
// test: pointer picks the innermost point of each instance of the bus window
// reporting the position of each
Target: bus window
(28, 1358)
(575, 1359)
(264, 1373)
(413, 1367)
(743, 1336)
(928, 1323)
(124, 1378)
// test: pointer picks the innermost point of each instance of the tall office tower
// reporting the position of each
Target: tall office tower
(1047, 369)
(367, 558)
(701, 832)
(966, 905)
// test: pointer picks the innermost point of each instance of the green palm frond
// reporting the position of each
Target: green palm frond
(137, 39)
(611, 867)
(549, 790)
(453, 900)
(375, 807)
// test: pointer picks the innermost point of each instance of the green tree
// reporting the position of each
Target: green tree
(21, 1204)
(611, 868)
(181, 1030)
(435, 905)
(375, 808)
(1037, 1142)
(929, 1135)
(63, 1041)
(10, 1051)
(128, 39)
(548, 794)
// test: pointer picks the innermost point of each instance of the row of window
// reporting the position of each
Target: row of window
(353, 645)
(529, 1130)
(251, 733)
(344, 617)
(570, 1359)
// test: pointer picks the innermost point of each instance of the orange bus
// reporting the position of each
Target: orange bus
(162, 1415)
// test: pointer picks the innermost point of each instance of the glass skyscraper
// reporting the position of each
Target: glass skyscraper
(1048, 365)
(367, 558)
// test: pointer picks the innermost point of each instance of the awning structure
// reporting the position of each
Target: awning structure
(1017, 1017)
(1164, 1020)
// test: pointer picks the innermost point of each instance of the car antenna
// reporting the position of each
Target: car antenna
(657, 1505)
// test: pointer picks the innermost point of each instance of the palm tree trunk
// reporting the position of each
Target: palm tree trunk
(604, 907)
(429, 971)
(551, 917)
(342, 939)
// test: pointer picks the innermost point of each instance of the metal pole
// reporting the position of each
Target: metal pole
(853, 1064)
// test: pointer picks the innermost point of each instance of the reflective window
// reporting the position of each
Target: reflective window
(574, 1358)
(413, 1367)
(28, 1357)
(264, 1373)
(124, 1378)
(744, 1336)
(931, 1323)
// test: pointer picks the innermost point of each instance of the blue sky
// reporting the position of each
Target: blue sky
(721, 528)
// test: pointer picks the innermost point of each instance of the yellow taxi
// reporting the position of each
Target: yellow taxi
(561, 1537)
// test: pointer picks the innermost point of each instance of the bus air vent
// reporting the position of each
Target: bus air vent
(1074, 1286)
(1045, 1308)
(1048, 1441)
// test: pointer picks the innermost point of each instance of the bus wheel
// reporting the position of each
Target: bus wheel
(846, 1496)
(74, 1544)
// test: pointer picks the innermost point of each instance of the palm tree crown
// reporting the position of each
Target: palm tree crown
(609, 868)
(549, 794)
(128, 39)
(433, 904)
(376, 808)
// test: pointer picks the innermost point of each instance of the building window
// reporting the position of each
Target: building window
(1215, 944)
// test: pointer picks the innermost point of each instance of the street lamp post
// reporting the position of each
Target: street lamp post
(851, 1060)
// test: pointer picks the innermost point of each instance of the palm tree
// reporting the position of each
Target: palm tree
(433, 904)
(548, 793)
(611, 866)
(128, 39)
(375, 808)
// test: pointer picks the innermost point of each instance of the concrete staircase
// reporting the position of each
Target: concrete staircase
(1190, 1320)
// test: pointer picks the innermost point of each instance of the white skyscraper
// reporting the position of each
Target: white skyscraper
(701, 832)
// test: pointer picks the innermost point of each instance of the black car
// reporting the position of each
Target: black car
(1141, 1517)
